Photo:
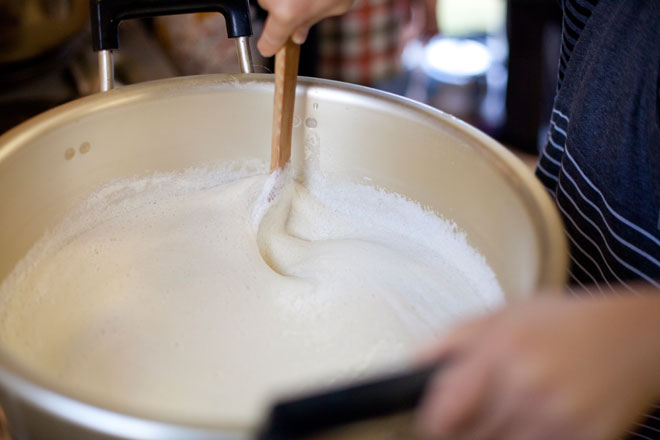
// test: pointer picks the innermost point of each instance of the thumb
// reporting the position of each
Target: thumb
(455, 341)
(454, 399)
(274, 35)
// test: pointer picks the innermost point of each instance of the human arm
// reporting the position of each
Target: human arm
(558, 368)
(293, 18)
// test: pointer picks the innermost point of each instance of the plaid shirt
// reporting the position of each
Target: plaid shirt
(363, 46)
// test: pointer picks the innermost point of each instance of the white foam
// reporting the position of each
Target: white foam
(200, 296)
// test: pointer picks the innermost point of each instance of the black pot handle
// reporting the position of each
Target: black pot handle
(107, 14)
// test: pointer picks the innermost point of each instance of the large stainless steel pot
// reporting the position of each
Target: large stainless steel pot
(51, 163)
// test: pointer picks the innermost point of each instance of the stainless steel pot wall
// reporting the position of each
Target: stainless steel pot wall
(51, 163)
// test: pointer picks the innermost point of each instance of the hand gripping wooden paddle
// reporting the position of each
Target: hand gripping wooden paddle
(286, 74)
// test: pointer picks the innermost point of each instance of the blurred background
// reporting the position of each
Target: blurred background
(491, 63)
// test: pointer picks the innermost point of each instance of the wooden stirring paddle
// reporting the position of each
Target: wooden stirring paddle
(286, 74)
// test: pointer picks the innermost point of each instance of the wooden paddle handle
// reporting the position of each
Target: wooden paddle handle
(286, 74)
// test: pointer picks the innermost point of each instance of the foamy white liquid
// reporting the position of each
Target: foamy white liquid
(194, 296)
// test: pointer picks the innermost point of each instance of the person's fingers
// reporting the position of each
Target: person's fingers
(300, 35)
(274, 36)
(454, 341)
(290, 18)
(492, 421)
(454, 400)
(285, 19)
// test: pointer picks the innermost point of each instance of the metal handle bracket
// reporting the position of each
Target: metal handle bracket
(107, 14)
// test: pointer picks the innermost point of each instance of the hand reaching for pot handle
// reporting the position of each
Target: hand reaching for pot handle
(564, 368)
(293, 18)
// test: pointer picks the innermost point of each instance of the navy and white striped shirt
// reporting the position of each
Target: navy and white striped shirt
(601, 162)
